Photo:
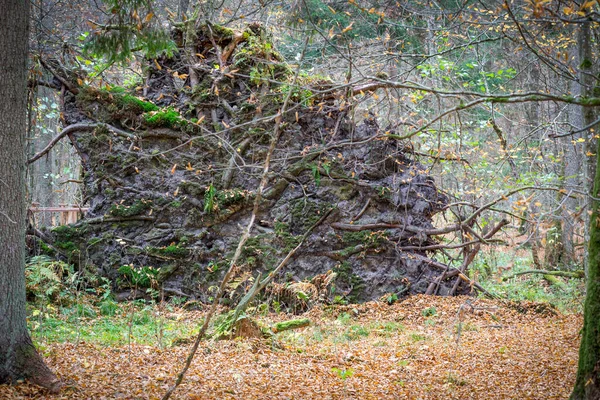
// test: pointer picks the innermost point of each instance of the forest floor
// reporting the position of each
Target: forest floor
(421, 348)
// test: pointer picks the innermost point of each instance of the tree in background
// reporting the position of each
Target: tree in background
(19, 358)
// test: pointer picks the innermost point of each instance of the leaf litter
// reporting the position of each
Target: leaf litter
(421, 348)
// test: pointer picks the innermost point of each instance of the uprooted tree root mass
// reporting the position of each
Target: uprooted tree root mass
(171, 172)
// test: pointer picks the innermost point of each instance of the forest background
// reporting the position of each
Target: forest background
(496, 100)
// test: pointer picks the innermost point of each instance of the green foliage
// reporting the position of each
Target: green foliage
(346, 276)
(282, 231)
(170, 251)
(46, 278)
(356, 332)
(131, 28)
(338, 17)
(306, 213)
(137, 208)
(108, 307)
(391, 298)
(209, 199)
(224, 324)
(142, 277)
(418, 337)
(316, 174)
(105, 322)
(167, 118)
(429, 312)
(216, 200)
(532, 287)
(469, 74)
(369, 239)
(259, 58)
(67, 238)
(343, 373)
(297, 93)
(117, 104)
(134, 102)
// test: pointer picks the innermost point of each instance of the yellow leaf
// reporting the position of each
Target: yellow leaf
(173, 169)
(157, 65)
(349, 27)
(148, 17)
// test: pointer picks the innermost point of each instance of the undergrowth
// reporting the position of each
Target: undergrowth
(492, 265)
(65, 305)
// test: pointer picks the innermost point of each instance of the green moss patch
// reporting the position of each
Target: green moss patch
(171, 251)
(137, 208)
(167, 118)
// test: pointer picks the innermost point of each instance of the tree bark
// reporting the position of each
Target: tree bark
(587, 385)
(18, 357)
(587, 80)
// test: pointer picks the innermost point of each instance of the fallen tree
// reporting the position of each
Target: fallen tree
(173, 176)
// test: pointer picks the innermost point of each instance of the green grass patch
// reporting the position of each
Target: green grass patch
(136, 322)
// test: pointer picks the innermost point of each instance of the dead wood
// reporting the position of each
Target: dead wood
(566, 274)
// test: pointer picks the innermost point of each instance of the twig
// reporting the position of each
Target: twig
(62, 80)
(75, 128)
(362, 211)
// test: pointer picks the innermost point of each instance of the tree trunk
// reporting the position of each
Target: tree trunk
(587, 386)
(586, 80)
(573, 170)
(18, 357)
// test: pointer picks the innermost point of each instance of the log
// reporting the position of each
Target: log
(291, 324)
(567, 274)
